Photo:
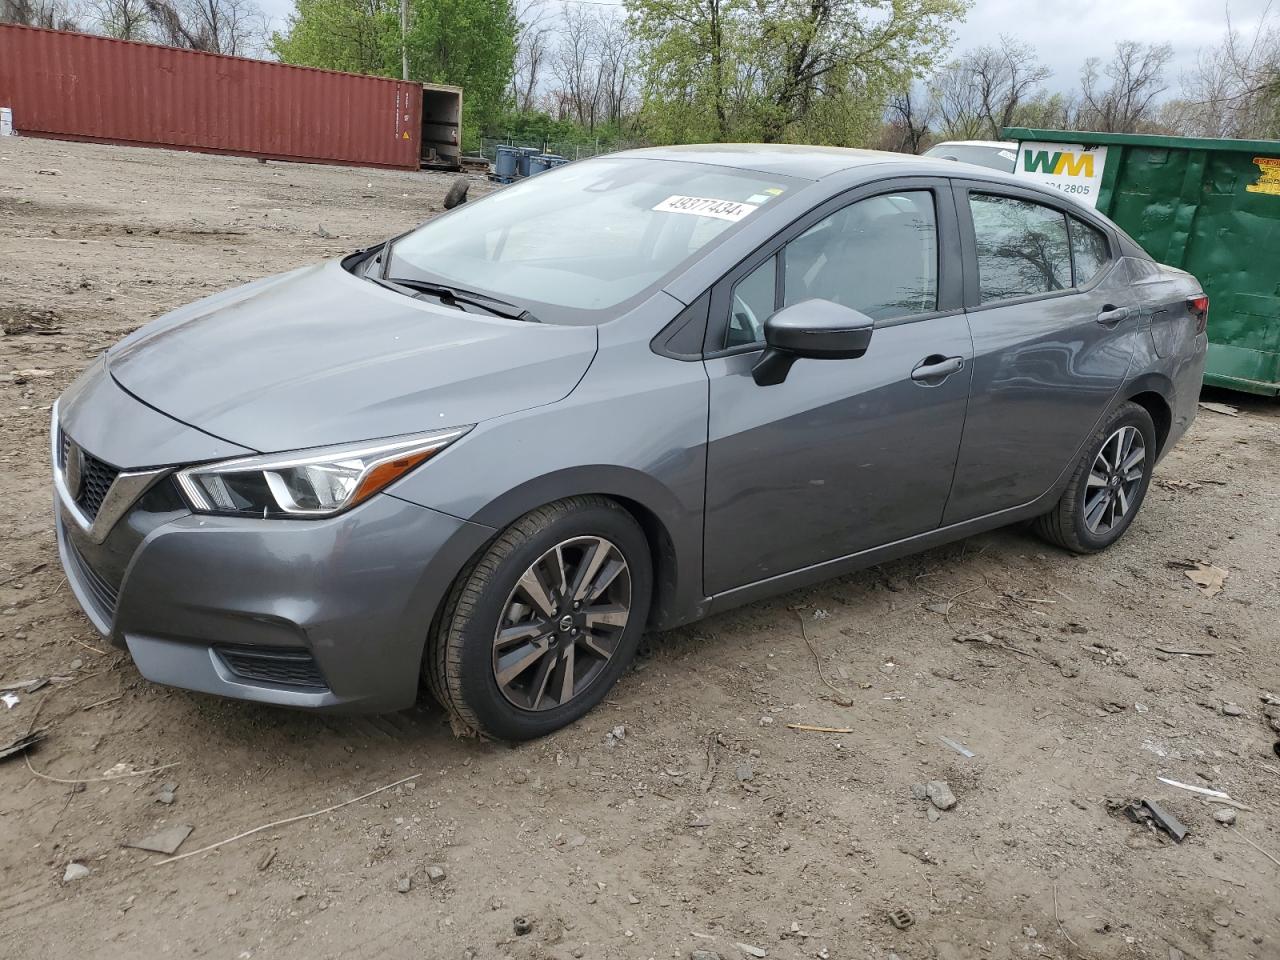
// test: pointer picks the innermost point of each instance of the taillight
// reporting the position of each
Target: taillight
(1198, 307)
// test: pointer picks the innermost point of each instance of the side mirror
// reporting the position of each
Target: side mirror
(817, 329)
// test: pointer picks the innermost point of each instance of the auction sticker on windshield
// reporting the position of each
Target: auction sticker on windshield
(1072, 168)
(730, 210)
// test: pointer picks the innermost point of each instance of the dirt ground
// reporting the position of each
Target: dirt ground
(710, 824)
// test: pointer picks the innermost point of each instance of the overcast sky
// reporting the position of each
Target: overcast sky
(1066, 32)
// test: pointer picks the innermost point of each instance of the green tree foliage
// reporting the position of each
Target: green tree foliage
(816, 71)
(359, 36)
(468, 43)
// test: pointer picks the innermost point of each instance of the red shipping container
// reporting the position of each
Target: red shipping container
(74, 86)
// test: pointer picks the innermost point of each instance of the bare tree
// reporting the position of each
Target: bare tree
(50, 14)
(533, 48)
(236, 27)
(1234, 90)
(1136, 75)
(576, 65)
(593, 67)
(909, 119)
(980, 93)
(615, 52)
(122, 19)
(959, 112)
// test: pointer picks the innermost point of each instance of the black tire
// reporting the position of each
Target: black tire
(459, 663)
(1065, 525)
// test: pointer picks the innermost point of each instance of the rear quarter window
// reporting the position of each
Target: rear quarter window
(1023, 247)
(1090, 252)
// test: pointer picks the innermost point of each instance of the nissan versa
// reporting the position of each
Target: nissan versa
(619, 396)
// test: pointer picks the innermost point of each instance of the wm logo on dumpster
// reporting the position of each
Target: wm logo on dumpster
(1058, 163)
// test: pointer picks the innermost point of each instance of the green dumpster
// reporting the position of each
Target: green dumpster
(1211, 207)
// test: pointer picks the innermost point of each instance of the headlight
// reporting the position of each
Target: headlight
(308, 483)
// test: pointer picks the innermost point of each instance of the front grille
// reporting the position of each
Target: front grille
(295, 668)
(98, 477)
(103, 595)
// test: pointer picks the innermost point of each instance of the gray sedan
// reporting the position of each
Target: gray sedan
(621, 396)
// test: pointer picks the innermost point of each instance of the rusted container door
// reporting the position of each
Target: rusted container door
(80, 87)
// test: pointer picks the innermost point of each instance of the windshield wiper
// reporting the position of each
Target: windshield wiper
(452, 296)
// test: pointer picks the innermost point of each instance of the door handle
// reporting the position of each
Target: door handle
(936, 368)
(1111, 315)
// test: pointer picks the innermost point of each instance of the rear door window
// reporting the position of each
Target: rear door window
(1023, 247)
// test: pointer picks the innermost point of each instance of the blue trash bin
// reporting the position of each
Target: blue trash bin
(505, 162)
(523, 158)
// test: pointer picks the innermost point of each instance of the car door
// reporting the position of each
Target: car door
(1054, 326)
(843, 455)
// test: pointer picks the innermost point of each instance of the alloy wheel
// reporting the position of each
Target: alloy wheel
(562, 623)
(1114, 479)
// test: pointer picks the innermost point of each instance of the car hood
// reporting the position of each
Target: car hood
(319, 356)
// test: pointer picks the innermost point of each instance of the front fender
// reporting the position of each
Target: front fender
(635, 429)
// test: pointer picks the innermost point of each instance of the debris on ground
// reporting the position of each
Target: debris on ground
(166, 841)
(1225, 816)
(940, 795)
(75, 871)
(457, 193)
(810, 728)
(22, 743)
(751, 951)
(29, 686)
(958, 748)
(435, 873)
(1153, 815)
(521, 926)
(404, 884)
(10, 700)
(842, 698)
(16, 320)
(704, 955)
(1203, 791)
(1226, 409)
(901, 918)
(1271, 710)
(1207, 577)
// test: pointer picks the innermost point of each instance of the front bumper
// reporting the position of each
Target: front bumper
(329, 614)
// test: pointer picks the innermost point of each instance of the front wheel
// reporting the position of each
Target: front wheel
(1108, 486)
(535, 633)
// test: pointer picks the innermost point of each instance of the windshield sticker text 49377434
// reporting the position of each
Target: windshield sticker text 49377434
(730, 210)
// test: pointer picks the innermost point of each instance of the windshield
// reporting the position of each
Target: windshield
(586, 237)
(983, 155)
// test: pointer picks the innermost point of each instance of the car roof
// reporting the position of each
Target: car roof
(814, 163)
(998, 144)
(789, 159)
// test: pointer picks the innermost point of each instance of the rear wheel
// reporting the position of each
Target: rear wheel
(537, 630)
(1108, 486)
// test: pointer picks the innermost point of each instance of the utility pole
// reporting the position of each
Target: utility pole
(404, 47)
